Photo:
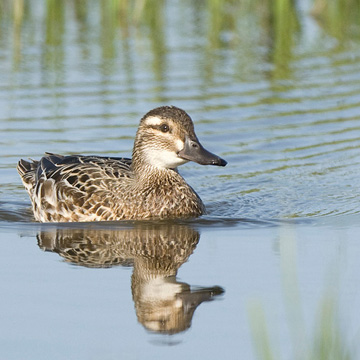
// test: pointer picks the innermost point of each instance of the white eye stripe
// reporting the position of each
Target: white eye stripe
(153, 121)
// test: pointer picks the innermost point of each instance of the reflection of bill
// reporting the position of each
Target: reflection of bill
(156, 251)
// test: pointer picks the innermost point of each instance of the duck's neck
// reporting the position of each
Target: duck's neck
(165, 192)
(146, 172)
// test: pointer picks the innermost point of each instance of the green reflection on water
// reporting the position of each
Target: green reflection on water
(328, 340)
(340, 18)
(278, 21)
(284, 27)
(234, 58)
(53, 47)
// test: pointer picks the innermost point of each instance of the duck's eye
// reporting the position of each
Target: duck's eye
(164, 128)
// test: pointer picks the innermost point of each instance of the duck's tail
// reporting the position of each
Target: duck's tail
(27, 171)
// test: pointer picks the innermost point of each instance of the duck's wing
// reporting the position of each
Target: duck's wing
(72, 184)
(72, 168)
(56, 166)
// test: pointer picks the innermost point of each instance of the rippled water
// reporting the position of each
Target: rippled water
(279, 101)
(291, 143)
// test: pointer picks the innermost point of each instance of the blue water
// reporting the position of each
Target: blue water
(54, 307)
(281, 234)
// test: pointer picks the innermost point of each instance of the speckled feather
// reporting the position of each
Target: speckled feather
(94, 188)
(98, 188)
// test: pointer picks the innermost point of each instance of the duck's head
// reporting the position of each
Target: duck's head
(166, 139)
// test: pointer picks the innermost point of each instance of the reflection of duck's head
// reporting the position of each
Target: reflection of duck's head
(156, 250)
(165, 305)
(162, 303)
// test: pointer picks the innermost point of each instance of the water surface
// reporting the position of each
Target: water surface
(279, 100)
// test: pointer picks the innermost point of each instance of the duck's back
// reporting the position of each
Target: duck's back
(74, 188)
(93, 188)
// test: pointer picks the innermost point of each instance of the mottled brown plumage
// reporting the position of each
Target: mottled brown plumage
(94, 188)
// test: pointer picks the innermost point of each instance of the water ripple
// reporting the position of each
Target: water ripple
(292, 142)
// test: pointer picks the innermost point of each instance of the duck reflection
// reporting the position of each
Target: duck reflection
(156, 251)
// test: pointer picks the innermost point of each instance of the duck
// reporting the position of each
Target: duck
(78, 188)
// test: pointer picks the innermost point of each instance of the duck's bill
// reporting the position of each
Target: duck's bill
(194, 151)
